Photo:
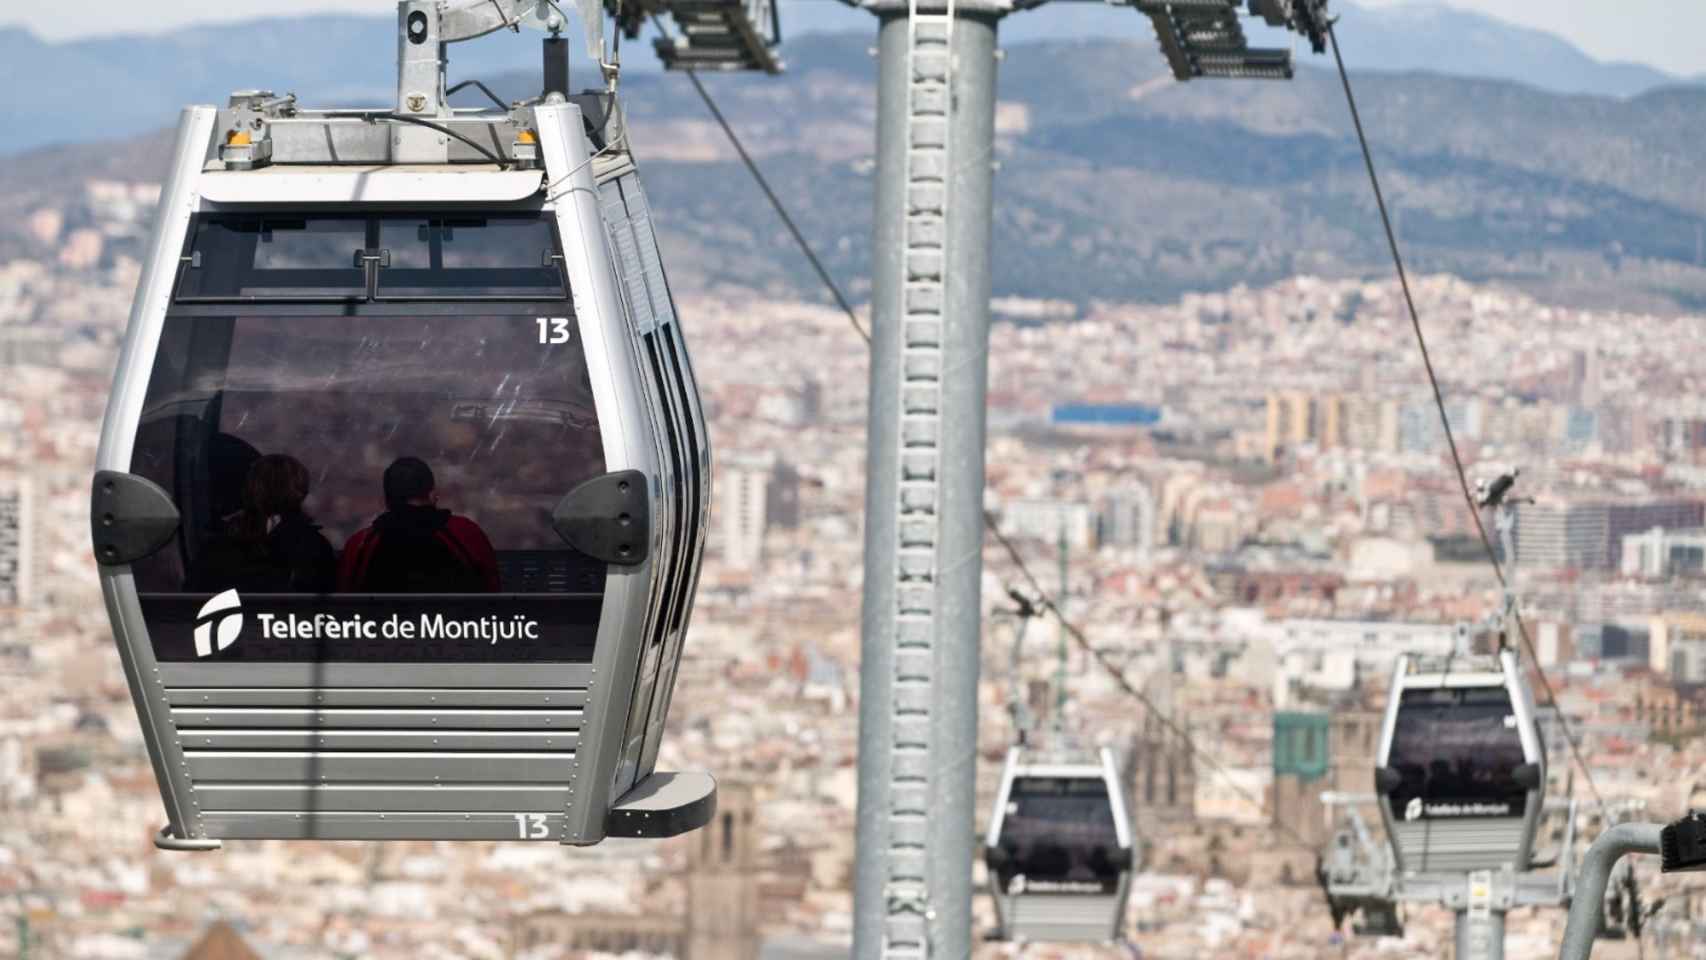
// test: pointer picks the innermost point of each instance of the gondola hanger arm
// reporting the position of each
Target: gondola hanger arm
(476, 18)
(470, 19)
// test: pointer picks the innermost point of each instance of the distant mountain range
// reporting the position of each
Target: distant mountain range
(115, 86)
(1113, 185)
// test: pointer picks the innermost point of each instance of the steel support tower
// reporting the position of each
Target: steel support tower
(921, 619)
(924, 494)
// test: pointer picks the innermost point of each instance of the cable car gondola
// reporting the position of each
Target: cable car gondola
(1059, 851)
(1461, 773)
(403, 482)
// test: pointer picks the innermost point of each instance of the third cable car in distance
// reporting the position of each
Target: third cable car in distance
(1059, 850)
(403, 482)
(1461, 772)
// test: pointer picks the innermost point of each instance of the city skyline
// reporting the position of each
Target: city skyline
(1297, 527)
(1231, 564)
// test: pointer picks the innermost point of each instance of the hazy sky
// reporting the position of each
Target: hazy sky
(1663, 33)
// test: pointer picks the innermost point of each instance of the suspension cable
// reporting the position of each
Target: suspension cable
(1117, 674)
(1045, 602)
(775, 201)
(1445, 420)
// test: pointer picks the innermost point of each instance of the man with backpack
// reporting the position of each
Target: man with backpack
(415, 546)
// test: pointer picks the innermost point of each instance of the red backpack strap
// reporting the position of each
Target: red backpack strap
(461, 553)
(364, 559)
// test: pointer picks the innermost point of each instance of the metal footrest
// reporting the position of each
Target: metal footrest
(166, 840)
(664, 805)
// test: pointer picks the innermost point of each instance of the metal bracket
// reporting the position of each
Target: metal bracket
(130, 517)
(607, 518)
(663, 805)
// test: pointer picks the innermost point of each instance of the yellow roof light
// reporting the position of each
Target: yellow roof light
(238, 138)
(526, 136)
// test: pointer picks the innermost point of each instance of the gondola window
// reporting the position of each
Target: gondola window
(1059, 834)
(1456, 752)
(375, 482)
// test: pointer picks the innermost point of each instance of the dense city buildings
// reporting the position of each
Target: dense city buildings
(1251, 530)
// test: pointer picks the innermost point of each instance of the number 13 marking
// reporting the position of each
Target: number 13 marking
(531, 826)
(553, 329)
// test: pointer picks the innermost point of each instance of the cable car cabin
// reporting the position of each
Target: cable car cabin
(1059, 850)
(1461, 772)
(403, 483)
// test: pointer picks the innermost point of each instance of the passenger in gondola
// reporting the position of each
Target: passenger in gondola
(269, 545)
(416, 546)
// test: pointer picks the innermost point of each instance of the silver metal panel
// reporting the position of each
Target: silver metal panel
(266, 825)
(1522, 704)
(1389, 720)
(364, 766)
(370, 184)
(388, 675)
(630, 288)
(178, 200)
(1009, 770)
(1116, 797)
(699, 474)
(191, 719)
(609, 166)
(620, 227)
(1533, 750)
(628, 444)
(632, 247)
(1458, 845)
(640, 219)
(366, 697)
(329, 141)
(1085, 771)
(226, 738)
(679, 545)
(1060, 917)
(1455, 679)
(298, 798)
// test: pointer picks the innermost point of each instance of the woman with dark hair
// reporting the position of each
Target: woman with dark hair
(270, 545)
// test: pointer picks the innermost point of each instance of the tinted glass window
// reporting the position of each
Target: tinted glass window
(485, 257)
(270, 258)
(1456, 751)
(245, 414)
(322, 257)
(1059, 836)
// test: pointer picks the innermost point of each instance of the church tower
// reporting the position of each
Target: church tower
(722, 881)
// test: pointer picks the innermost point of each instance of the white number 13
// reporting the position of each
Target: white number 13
(553, 329)
(531, 826)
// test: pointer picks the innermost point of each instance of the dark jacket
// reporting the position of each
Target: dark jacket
(419, 550)
(294, 557)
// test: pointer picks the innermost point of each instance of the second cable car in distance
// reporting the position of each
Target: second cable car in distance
(1059, 850)
(1461, 771)
(403, 482)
